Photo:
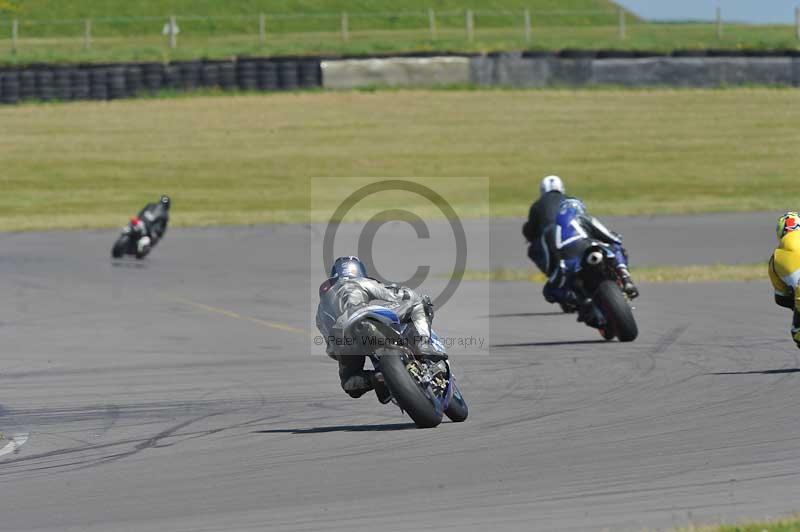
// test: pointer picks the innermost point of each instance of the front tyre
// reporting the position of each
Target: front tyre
(120, 246)
(457, 410)
(617, 311)
(406, 391)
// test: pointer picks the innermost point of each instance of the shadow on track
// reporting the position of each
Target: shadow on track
(762, 372)
(524, 314)
(546, 344)
(341, 428)
(128, 263)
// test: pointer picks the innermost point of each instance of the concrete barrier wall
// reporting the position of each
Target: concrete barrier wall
(395, 72)
(520, 71)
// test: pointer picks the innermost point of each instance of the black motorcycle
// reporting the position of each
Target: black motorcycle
(128, 241)
(601, 302)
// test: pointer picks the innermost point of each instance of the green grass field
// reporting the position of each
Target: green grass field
(121, 17)
(782, 525)
(247, 159)
(661, 274)
(124, 31)
(153, 47)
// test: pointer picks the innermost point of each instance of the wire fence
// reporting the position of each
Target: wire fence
(526, 27)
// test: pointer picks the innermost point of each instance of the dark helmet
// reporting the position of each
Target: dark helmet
(165, 201)
(345, 267)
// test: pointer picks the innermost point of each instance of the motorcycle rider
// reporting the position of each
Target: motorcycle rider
(574, 231)
(784, 268)
(541, 219)
(155, 217)
(349, 289)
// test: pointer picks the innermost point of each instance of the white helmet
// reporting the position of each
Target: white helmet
(551, 183)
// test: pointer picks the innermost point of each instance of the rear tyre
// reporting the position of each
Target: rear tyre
(405, 390)
(457, 410)
(617, 312)
(120, 246)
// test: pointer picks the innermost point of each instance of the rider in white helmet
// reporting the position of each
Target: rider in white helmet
(541, 220)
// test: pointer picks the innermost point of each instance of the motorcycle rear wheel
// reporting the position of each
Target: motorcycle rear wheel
(406, 391)
(617, 312)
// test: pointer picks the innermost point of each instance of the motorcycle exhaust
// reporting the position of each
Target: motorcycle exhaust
(594, 258)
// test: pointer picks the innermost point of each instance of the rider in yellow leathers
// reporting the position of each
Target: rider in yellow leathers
(784, 268)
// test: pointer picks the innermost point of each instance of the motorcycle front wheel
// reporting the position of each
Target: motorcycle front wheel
(120, 246)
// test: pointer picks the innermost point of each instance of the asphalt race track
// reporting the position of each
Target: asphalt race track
(179, 394)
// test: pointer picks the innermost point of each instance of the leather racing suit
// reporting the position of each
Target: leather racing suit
(784, 272)
(339, 298)
(572, 236)
(537, 230)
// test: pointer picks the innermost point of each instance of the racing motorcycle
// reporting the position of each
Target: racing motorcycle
(424, 389)
(602, 302)
(128, 241)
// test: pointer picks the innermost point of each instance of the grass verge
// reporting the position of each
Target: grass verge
(247, 159)
(660, 274)
(153, 46)
(791, 524)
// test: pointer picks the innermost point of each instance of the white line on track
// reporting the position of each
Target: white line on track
(17, 441)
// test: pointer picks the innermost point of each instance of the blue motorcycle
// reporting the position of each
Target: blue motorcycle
(425, 389)
(601, 302)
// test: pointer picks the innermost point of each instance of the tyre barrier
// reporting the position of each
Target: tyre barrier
(81, 85)
(310, 74)
(45, 88)
(63, 84)
(27, 85)
(288, 75)
(116, 81)
(227, 76)
(98, 84)
(701, 68)
(247, 75)
(267, 76)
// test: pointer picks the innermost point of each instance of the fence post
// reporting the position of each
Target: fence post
(262, 29)
(345, 27)
(527, 25)
(797, 21)
(173, 36)
(87, 34)
(470, 26)
(719, 20)
(622, 24)
(14, 35)
(432, 22)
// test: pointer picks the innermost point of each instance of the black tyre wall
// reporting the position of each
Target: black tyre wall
(9, 86)
(27, 84)
(310, 74)
(80, 84)
(104, 82)
(247, 75)
(288, 75)
(98, 83)
(268, 76)
(45, 90)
